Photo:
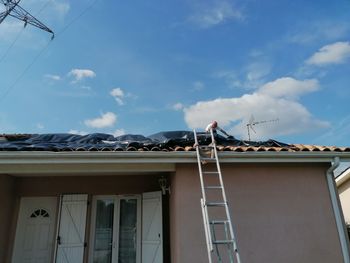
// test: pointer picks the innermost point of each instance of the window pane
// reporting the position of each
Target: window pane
(103, 231)
(127, 231)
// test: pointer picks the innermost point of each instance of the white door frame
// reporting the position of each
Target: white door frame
(116, 221)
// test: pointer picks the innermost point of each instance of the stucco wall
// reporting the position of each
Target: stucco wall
(282, 213)
(6, 210)
(344, 195)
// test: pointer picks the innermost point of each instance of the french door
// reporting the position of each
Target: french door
(116, 229)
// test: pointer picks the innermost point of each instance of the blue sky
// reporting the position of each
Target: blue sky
(142, 67)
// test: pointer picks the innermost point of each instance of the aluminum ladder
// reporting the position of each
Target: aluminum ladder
(220, 237)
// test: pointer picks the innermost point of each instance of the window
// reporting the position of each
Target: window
(39, 212)
(116, 231)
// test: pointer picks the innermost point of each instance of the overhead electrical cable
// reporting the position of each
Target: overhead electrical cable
(20, 33)
(11, 45)
(20, 76)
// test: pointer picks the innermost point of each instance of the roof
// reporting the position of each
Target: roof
(104, 154)
(171, 141)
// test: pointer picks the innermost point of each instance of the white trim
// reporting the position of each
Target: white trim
(343, 177)
(86, 163)
(337, 211)
(58, 222)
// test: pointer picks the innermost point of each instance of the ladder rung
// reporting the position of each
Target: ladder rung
(201, 134)
(212, 173)
(207, 159)
(213, 187)
(215, 203)
(218, 242)
(206, 147)
(218, 222)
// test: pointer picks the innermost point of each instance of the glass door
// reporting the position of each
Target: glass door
(115, 229)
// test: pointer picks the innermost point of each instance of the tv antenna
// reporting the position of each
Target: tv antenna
(252, 123)
(12, 8)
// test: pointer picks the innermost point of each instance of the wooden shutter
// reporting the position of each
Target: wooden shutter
(71, 236)
(152, 229)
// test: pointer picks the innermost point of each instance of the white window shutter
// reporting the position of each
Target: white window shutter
(152, 228)
(71, 237)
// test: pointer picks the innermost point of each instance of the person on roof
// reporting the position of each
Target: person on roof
(214, 126)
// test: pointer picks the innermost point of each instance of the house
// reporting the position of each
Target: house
(343, 184)
(96, 198)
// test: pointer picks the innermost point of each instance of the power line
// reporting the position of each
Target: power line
(12, 86)
(78, 17)
(11, 45)
(20, 33)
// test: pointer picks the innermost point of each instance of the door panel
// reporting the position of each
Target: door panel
(152, 229)
(71, 237)
(34, 239)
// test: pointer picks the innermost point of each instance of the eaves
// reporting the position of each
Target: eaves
(43, 163)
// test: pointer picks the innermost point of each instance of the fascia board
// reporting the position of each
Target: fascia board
(139, 162)
(164, 157)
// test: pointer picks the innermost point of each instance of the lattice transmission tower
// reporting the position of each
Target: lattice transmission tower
(12, 8)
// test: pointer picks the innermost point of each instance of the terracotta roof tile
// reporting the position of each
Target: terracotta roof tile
(8, 139)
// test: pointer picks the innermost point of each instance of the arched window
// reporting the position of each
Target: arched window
(40, 212)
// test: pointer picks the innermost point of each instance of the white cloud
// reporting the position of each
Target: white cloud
(118, 132)
(337, 134)
(335, 53)
(198, 86)
(266, 103)
(215, 14)
(289, 88)
(10, 29)
(318, 31)
(250, 77)
(85, 87)
(77, 132)
(178, 106)
(230, 77)
(55, 9)
(40, 126)
(106, 120)
(118, 95)
(61, 8)
(80, 74)
(53, 77)
(257, 70)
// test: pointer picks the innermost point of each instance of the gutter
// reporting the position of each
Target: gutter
(21, 157)
(42, 162)
(339, 218)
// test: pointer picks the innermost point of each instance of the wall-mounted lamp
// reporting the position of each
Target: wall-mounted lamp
(163, 183)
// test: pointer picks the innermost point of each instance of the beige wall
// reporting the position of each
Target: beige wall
(344, 195)
(282, 213)
(7, 201)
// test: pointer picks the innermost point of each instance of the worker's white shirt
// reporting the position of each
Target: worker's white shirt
(209, 127)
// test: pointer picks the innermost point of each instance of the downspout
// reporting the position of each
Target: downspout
(337, 212)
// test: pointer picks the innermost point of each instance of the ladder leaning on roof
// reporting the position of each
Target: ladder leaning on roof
(221, 242)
